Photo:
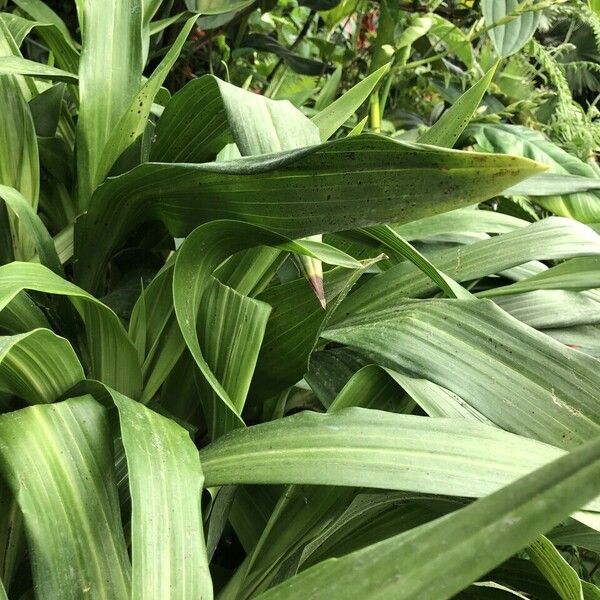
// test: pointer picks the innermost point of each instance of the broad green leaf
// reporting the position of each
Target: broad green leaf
(333, 116)
(112, 354)
(165, 479)
(38, 366)
(510, 29)
(46, 110)
(290, 193)
(553, 184)
(19, 162)
(576, 274)
(371, 387)
(233, 364)
(452, 123)
(63, 48)
(453, 38)
(371, 448)
(555, 569)
(231, 338)
(515, 376)
(460, 220)
(40, 11)
(515, 139)
(15, 65)
(549, 239)
(545, 309)
(57, 460)
(110, 72)
(194, 125)
(290, 339)
(474, 539)
(200, 118)
(21, 314)
(31, 223)
(133, 121)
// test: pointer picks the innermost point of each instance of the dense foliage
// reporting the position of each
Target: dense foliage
(299, 300)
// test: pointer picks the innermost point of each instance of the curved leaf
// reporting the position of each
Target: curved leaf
(203, 251)
(58, 462)
(475, 539)
(510, 37)
(371, 448)
(520, 379)
(15, 65)
(291, 192)
(38, 366)
(165, 479)
(112, 354)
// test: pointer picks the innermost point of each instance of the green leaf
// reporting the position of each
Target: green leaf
(38, 366)
(453, 38)
(15, 65)
(32, 224)
(515, 139)
(291, 192)
(371, 448)
(46, 110)
(233, 362)
(453, 122)
(112, 354)
(576, 274)
(544, 309)
(332, 117)
(110, 70)
(40, 11)
(393, 241)
(474, 539)
(462, 220)
(165, 479)
(194, 125)
(132, 123)
(553, 184)
(19, 162)
(515, 376)
(216, 7)
(202, 117)
(510, 37)
(555, 569)
(549, 239)
(57, 460)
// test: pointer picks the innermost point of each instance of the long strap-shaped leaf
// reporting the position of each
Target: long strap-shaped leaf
(165, 479)
(110, 72)
(371, 448)
(520, 379)
(38, 366)
(113, 356)
(339, 185)
(33, 226)
(474, 539)
(58, 462)
(452, 123)
(202, 252)
(549, 239)
(576, 274)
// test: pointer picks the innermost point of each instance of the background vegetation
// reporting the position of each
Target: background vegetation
(299, 299)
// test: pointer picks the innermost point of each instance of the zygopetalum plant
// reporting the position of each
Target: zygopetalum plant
(181, 417)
